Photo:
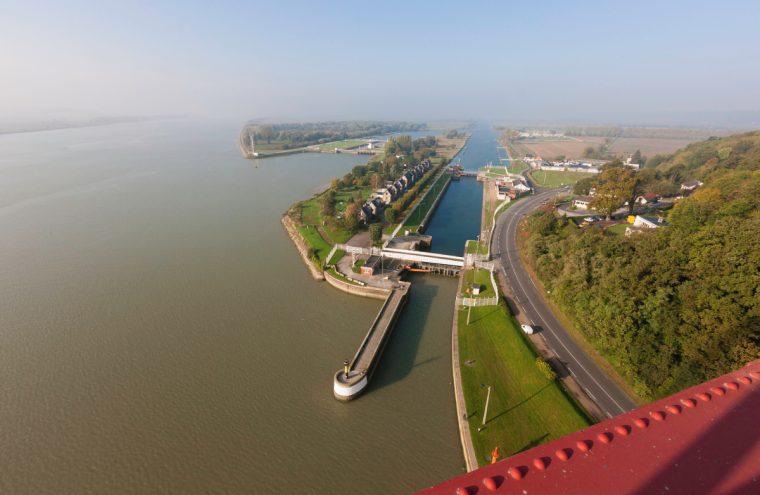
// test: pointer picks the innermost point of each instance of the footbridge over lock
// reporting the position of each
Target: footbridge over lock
(427, 261)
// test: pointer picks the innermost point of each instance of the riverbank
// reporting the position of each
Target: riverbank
(301, 246)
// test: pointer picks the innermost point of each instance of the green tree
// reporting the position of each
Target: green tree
(583, 186)
(376, 181)
(390, 214)
(614, 186)
(328, 203)
(375, 233)
(267, 133)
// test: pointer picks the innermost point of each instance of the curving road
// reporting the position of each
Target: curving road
(608, 396)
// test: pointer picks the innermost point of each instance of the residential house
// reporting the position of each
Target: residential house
(690, 185)
(649, 222)
(647, 198)
(582, 202)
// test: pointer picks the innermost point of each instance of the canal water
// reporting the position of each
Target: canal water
(457, 218)
(159, 333)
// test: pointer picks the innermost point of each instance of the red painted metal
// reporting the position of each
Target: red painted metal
(713, 447)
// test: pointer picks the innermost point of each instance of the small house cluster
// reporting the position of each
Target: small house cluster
(586, 166)
(510, 188)
(393, 190)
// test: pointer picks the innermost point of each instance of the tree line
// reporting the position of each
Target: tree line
(677, 305)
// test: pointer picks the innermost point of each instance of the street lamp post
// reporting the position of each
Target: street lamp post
(485, 411)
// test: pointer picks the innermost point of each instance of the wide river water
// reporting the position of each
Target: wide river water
(159, 333)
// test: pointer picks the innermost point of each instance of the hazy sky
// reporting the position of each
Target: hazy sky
(562, 60)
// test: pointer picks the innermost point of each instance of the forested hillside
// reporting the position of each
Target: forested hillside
(677, 305)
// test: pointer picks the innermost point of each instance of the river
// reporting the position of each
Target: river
(159, 333)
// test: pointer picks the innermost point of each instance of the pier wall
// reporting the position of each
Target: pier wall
(357, 290)
(348, 386)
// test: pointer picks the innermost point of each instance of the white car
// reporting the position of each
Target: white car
(527, 329)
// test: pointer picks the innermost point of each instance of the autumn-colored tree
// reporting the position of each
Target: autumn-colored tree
(351, 216)
(614, 186)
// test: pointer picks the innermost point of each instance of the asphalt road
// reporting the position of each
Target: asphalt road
(606, 393)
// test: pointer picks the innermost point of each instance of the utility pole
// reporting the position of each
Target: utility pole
(485, 412)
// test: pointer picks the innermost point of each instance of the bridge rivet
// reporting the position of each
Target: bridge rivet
(657, 415)
(745, 380)
(641, 423)
(673, 409)
(515, 473)
(718, 391)
(490, 483)
(622, 430)
(582, 445)
(562, 454)
(539, 463)
(732, 385)
(605, 437)
(689, 402)
(704, 397)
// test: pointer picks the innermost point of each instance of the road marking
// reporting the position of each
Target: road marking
(509, 227)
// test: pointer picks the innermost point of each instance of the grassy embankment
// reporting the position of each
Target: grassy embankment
(473, 247)
(555, 178)
(415, 217)
(526, 408)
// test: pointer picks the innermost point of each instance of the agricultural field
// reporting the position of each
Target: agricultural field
(648, 146)
(446, 147)
(570, 148)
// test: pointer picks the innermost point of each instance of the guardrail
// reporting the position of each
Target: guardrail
(477, 301)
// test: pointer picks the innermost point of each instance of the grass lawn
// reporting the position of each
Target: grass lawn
(555, 178)
(412, 222)
(526, 409)
(336, 257)
(342, 145)
(473, 247)
(315, 240)
(618, 229)
(517, 166)
(478, 276)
